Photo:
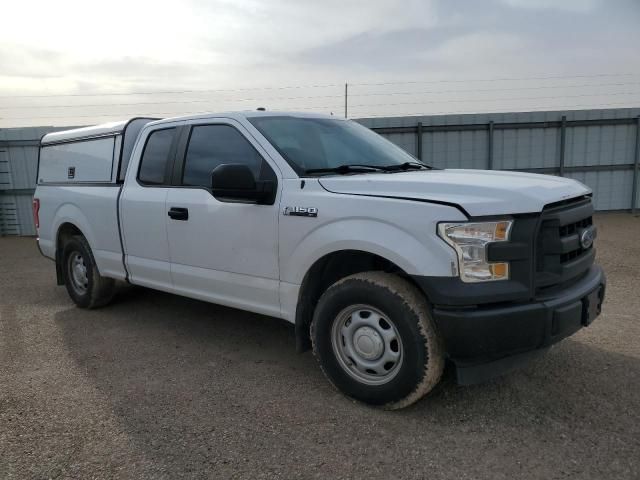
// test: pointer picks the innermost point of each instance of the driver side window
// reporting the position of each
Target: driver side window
(213, 145)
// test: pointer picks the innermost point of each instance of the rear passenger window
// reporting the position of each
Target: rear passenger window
(155, 157)
(213, 145)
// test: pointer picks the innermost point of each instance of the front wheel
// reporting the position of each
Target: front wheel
(375, 340)
(86, 287)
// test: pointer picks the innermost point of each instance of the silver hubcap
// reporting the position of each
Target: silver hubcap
(367, 344)
(78, 273)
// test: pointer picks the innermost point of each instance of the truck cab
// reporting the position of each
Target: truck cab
(387, 268)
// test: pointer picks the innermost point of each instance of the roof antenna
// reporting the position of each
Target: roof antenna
(261, 109)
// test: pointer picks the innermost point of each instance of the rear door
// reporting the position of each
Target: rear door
(222, 251)
(143, 212)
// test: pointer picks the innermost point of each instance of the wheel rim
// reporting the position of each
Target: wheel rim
(78, 273)
(367, 344)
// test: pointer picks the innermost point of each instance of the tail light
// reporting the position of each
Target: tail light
(36, 212)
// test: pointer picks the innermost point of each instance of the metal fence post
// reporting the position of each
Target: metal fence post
(563, 136)
(634, 189)
(490, 146)
(419, 141)
(3, 226)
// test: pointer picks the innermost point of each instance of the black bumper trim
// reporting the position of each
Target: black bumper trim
(484, 338)
(453, 292)
(472, 374)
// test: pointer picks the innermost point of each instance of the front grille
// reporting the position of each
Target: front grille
(560, 256)
(571, 230)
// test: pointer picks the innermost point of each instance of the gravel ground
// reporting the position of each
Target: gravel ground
(158, 386)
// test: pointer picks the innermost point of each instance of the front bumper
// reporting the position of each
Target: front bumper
(486, 341)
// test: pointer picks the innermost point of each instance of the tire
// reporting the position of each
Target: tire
(86, 287)
(381, 321)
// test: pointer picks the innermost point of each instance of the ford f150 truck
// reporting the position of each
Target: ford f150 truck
(386, 267)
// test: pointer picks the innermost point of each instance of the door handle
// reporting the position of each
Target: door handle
(178, 213)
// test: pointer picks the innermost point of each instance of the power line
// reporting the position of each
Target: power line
(331, 107)
(319, 107)
(509, 79)
(311, 97)
(361, 115)
(500, 89)
(168, 102)
(491, 99)
(168, 92)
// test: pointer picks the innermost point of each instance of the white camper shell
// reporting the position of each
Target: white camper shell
(97, 154)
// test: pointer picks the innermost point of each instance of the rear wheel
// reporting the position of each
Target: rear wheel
(375, 340)
(86, 287)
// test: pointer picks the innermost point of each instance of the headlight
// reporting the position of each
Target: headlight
(470, 241)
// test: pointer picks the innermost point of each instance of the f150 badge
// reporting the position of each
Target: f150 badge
(301, 211)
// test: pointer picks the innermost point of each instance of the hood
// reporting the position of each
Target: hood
(479, 192)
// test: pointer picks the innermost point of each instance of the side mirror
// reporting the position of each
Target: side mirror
(235, 181)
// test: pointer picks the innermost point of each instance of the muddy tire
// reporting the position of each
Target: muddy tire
(375, 340)
(86, 287)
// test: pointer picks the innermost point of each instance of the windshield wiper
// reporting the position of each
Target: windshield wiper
(406, 166)
(342, 169)
(362, 168)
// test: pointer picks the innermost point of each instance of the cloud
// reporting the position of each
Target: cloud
(288, 25)
(33, 62)
(570, 5)
(235, 44)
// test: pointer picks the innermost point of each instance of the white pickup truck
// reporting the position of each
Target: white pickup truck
(386, 267)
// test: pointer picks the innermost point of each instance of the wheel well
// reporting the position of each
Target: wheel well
(325, 272)
(66, 231)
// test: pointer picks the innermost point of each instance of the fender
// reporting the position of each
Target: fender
(106, 249)
(69, 213)
(416, 256)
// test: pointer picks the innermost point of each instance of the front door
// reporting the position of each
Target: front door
(222, 251)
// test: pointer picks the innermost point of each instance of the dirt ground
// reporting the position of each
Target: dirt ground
(158, 386)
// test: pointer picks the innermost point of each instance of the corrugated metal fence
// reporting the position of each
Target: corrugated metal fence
(18, 164)
(598, 147)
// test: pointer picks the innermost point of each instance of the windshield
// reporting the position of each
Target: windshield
(318, 143)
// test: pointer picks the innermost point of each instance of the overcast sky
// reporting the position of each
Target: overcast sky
(81, 62)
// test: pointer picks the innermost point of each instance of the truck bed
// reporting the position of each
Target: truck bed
(94, 210)
(80, 177)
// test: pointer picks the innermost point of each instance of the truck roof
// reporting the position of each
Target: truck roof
(119, 126)
(246, 114)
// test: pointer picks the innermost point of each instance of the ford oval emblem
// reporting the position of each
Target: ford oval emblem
(587, 237)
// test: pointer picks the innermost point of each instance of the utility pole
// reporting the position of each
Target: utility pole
(346, 96)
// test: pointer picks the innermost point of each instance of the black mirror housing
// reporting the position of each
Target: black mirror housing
(232, 176)
(235, 181)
